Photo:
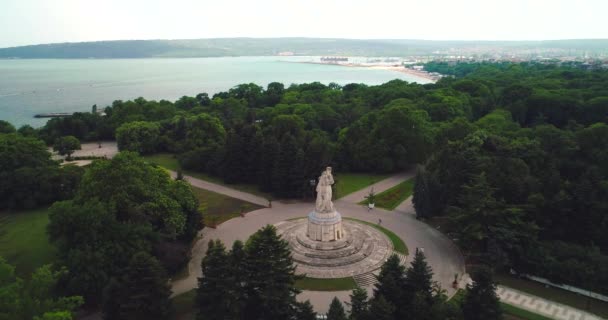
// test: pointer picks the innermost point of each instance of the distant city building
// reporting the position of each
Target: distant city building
(286, 53)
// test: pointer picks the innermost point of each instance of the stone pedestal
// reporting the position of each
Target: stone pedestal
(324, 226)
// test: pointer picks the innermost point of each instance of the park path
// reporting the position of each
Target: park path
(542, 306)
(379, 186)
(218, 188)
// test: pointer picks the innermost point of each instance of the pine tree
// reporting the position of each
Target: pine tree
(270, 277)
(237, 261)
(268, 162)
(381, 309)
(141, 293)
(359, 306)
(422, 197)
(304, 311)
(480, 301)
(214, 298)
(336, 310)
(234, 158)
(286, 174)
(391, 283)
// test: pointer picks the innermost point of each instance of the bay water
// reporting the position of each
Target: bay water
(28, 87)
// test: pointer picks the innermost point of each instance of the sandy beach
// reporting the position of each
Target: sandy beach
(417, 73)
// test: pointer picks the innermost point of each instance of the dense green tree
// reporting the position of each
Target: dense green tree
(28, 176)
(304, 311)
(142, 292)
(480, 301)
(65, 146)
(336, 310)
(6, 127)
(215, 295)
(381, 309)
(359, 304)
(391, 284)
(138, 136)
(270, 276)
(35, 298)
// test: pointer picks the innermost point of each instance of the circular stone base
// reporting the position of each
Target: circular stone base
(362, 249)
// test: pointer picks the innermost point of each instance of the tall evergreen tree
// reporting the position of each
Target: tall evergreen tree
(359, 306)
(270, 277)
(287, 177)
(480, 301)
(213, 297)
(418, 277)
(304, 311)
(143, 291)
(336, 310)
(268, 161)
(391, 284)
(422, 194)
(381, 309)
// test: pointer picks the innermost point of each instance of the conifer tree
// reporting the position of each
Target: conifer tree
(391, 283)
(381, 309)
(480, 301)
(270, 277)
(418, 277)
(143, 291)
(336, 310)
(214, 287)
(304, 311)
(359, 306)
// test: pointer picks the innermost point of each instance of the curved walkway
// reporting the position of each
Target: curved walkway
(441, 253)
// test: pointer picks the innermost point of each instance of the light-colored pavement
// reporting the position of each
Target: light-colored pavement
(218, 188)
(441, 253)
(542, 306)
(379, 186)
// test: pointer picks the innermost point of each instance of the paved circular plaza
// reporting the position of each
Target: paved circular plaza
(362, 249)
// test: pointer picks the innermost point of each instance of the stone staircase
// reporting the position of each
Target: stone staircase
(365, 280)
(402, 258)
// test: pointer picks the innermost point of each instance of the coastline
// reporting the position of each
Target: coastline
(400, 69)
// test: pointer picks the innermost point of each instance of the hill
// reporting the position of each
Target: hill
(301, 46)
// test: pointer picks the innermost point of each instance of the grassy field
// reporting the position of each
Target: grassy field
(510, 312)
(168, 161)
(518, 313)
(398, 244)
(183, 305)
(393, 197)
(347, 183)
(23, 240)
(554, 294)
(218, 208)
(316, 284)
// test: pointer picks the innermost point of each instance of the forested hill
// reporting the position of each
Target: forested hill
(300, 46)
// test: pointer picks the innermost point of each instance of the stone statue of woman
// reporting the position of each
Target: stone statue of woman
(324, 192)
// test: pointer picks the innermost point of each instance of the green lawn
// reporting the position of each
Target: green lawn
(398, 244)
(168, 161)
(554, 294)
(518, 313)
(347, 183)
(510, 312)
(336, 284)
(23, 240)
(218, 208)
(391, 198)
(184, 305)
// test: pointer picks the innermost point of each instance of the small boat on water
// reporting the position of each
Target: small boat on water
(52, 115)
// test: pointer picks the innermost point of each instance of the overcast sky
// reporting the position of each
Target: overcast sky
(25, 22)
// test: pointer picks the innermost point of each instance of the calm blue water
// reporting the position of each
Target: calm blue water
(28, 87)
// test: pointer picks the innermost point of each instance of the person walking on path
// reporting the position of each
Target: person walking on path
(379, 221)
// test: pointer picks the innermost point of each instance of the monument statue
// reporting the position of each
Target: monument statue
(325, 223)
(324, 192)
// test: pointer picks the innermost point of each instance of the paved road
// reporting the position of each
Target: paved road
(542, 306)
(441, 253)
(218, 188)
(379, 186)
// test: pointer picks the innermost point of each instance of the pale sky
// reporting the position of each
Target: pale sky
(25, 22)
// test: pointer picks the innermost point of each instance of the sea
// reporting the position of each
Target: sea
(29, 87)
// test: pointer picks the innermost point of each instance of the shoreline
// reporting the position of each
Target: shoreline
(400, 69)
